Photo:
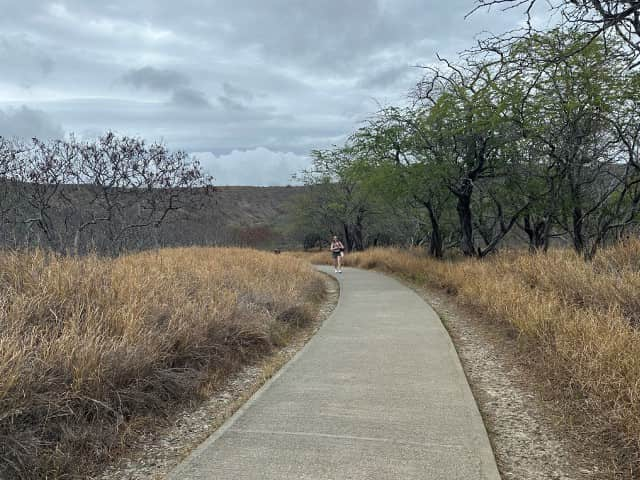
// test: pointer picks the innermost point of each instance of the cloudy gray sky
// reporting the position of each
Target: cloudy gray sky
(250, 86)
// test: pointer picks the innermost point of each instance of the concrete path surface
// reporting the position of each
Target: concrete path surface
(378, 393)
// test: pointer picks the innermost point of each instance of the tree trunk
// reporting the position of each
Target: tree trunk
(546, 234)
(577, 234)
(538, 233)
(76, 243)
(466, 225)
(347, 237)
(435, 244)
(358, 236)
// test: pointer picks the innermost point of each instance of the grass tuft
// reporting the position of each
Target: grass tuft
(90, 347)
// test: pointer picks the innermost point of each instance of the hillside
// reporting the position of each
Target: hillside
(253, 216)
(87, 218)
(250, 206)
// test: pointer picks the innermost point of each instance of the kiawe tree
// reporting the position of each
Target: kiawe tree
(565, 111)
(467, 134)
(597, 19)
(337, 203)
(542, 133)
(396, 166)
(108, 194)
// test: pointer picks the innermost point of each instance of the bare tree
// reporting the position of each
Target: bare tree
(134, 188)
(596, 17)
(10, 152)
(43, 170)
(110, 194)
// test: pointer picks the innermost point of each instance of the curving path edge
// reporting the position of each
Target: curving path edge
(378, 393)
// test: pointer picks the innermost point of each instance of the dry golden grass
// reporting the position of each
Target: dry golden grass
(582, 319)
(91, 346)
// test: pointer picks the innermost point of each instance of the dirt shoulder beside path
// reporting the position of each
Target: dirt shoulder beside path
(158, 452)
(530, 433)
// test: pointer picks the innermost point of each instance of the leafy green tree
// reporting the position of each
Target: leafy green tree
(566, 110)
(338, 199)
(395, 166)
(497, 140)
(468, 135)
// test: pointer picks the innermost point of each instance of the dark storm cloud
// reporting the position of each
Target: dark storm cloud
(155, 78)
(223, 76)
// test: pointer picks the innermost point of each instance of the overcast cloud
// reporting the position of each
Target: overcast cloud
(249, 86)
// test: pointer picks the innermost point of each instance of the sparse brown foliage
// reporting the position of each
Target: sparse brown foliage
(107, 195)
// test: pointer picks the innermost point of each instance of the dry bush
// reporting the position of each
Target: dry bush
(581, 319)
(91, 346)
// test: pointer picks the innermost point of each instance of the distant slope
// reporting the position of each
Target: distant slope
(242, 215)
(236, 216)
(250, 206)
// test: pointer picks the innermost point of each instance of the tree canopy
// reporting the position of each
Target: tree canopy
(537, 139)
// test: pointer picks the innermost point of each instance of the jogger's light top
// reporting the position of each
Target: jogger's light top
(378, 393)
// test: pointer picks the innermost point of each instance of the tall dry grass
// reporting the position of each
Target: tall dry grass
(90, 346)
(582, 319)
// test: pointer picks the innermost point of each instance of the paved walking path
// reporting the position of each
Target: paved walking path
(378, 393)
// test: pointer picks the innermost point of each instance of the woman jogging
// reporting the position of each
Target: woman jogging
(337, 252)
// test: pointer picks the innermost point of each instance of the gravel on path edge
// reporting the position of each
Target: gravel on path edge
(530, 433)
(527, 429)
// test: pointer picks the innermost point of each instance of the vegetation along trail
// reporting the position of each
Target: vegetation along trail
(95, 350)
(377, 393)
(572, 330)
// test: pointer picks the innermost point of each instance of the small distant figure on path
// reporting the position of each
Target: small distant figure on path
(337, 252)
